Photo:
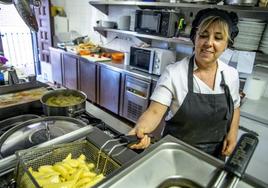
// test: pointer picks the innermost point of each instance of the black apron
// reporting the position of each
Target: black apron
(203, 120)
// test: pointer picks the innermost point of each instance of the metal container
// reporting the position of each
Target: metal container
(173, 163)
(36, 131)
(71, 110)
(23, 107)
(50, 155)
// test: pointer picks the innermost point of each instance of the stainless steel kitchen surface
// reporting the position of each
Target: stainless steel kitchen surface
(171, 159)
(109, 119)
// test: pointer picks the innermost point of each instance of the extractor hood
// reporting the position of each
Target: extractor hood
(24, 9)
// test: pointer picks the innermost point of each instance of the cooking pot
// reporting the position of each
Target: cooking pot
(71, 110)
(36, 131)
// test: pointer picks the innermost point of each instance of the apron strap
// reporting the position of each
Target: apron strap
(190, 75)
(229, 114)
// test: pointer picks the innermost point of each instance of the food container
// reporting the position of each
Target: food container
(117, 56)
(37, 157)
(70, 110)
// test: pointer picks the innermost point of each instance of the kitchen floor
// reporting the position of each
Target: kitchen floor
(119, 125)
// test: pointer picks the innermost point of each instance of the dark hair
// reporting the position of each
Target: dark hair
(230, 18)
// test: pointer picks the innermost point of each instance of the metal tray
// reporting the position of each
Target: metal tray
(24, 108)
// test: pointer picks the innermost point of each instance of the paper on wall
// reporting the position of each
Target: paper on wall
(245, 61)
(226, 56)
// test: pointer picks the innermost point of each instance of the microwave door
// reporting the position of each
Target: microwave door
(148, 22)
(158, 18)
(151, 64)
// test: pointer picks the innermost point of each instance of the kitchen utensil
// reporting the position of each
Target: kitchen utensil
(124, 140)
(237, 164)
(71, 110)
(50, 155)
(36, 131)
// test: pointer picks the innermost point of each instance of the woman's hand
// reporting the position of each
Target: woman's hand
(145, 140)
(229, 142)
(147, 123)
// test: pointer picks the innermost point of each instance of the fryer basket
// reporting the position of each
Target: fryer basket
(50, 155)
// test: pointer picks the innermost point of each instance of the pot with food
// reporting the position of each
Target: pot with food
(63, 102)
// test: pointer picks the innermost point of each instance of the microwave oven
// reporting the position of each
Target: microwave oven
(150, 60)
(155, 22)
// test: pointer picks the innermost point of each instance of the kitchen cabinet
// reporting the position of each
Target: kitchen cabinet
(258, 165)
(56, 65)
(109, 88)
(70, 70)
(87, 78)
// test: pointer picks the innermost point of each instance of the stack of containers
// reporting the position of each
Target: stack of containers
(264, 41)
(250, 33)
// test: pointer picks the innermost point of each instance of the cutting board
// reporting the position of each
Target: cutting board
(96, 58)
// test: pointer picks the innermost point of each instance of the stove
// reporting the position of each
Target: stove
(100, 134)
(91, 128)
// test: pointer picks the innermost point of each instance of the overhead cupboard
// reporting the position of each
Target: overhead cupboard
(252, 23)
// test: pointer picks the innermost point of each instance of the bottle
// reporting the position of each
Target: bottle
(2, 78)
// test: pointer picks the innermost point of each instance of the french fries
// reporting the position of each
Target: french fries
(87, 48)
(69, 173)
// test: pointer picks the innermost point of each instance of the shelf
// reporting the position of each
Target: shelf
(103, 6)
(103, 31)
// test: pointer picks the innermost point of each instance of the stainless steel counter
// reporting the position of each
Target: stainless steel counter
(256, 110)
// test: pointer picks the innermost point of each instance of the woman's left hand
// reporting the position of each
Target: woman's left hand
(229, 144)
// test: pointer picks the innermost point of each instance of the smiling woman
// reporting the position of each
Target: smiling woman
(203, 111)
